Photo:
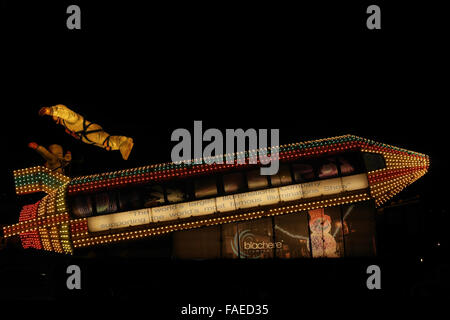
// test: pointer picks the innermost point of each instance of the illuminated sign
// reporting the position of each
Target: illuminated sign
(262, 245)
(355, 182)
(322, 187)
(119, 220)
(228, 203)
(225, 204)
(257, 198)
(246, 244)
(184, 210)
(290, 193)
(197, 208)
(164, 213)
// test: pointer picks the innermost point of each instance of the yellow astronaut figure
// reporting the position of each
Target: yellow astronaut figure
(88, 132)
(56, 161)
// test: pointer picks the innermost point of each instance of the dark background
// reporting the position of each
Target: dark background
(312, 70)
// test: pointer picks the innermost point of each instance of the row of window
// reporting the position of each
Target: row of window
(333, 232)
(214, 185)
(342, 231)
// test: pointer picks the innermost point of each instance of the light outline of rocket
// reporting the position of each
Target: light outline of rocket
(48, 225)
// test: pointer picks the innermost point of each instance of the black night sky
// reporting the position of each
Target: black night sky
(312, 71)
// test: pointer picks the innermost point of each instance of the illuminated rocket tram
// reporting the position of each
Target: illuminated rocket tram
(321, 203)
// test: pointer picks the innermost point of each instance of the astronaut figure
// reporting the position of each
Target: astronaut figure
(86, 131)
(56, 161)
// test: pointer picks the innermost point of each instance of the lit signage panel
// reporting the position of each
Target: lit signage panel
(257, 198)
(228, 203)
(225, 204)
(291, 193)
(164, 213)
(200, 208)
(355, 182)
(119, 220)
(322, 188)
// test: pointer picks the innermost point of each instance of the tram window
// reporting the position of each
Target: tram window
(177, 192)
(82, 206)
(291, 230)
(106, 202)
(374, 161)
(205, 187)
(259, 231)
(359, 229)
(130, 199)
(153, 196)
(328, 168)
(234, 182)
(255, 180)
(203, 243)
(303, 172)
(350, 163)
(283, 176)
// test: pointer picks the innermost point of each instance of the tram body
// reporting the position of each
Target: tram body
(321, 203)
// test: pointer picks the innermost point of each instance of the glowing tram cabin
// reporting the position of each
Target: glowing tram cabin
(321, 203)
